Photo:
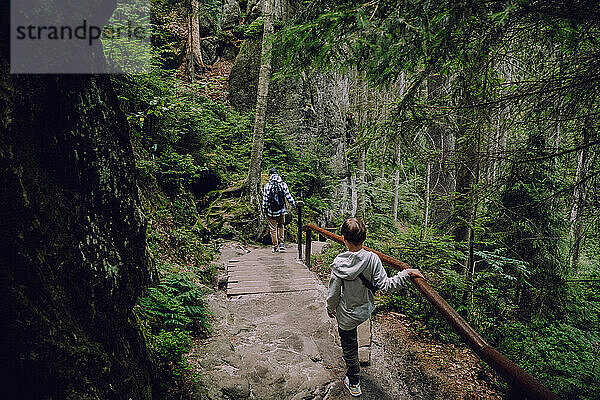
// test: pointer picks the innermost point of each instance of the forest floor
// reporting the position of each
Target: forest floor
(280, 345)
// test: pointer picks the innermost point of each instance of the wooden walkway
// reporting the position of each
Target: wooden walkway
(262, 271)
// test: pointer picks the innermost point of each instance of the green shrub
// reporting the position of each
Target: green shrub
(190, 296)
(176, 171)
(177, 303)
(163, 310)
(561, 356)
(170, 348)
(168, 315)
(160, 319)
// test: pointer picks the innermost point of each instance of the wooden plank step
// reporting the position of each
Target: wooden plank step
(262, 271)
(272, 282)
(287, 263)
(268, 289)
(265, 290)
(265, 269)
(269, 277)
(238, 291)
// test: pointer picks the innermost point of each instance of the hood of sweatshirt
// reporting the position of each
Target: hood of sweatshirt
(349, 265)
(275, 178)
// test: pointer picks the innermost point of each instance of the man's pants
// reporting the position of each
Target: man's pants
(276, 227)
(349, 341)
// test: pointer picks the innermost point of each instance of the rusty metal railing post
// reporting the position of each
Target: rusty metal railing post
(520, 382)
(299, 205)
(308, 246)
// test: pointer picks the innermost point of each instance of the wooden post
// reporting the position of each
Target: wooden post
(308, 246)
(299, 205)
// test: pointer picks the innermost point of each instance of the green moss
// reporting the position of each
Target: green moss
(255, 29)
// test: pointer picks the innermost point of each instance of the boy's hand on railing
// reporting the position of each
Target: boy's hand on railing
(331, 314)
(412, 272)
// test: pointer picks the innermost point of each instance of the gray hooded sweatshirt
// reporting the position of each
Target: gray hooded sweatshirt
(352, 301)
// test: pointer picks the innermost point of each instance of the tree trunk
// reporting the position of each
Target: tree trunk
(578, 201)
(193, 50)
(396, 183)
(557, 132)
(441, 182)
(381, 155)
(467, 150)
(264, 76)
(398, 154)
(427, 186)
(354, 194)
(557, 114)
(360, 202)
(501, 133)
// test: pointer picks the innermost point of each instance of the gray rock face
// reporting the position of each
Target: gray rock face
(253, 9)
(228, 51)
(209, 49)
(311, 109)
(232, 13)
(243, 78)
(207, 24)
(282, 9)
(73, 242)
(267, 349)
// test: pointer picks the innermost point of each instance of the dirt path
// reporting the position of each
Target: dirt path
(281, 346)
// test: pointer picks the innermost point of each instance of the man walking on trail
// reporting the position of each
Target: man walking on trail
(273, 204)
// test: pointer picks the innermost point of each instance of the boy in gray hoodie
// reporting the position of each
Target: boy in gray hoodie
(349, 298)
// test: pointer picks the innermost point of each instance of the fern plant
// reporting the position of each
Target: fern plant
(163, 310)
(177, 303)
(168, 315)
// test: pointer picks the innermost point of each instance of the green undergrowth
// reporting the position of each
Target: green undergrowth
(170, 314)
(173, 310)
(187, 144)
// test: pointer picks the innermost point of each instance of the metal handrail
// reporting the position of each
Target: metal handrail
(521, 384)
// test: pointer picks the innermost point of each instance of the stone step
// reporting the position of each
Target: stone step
(364, 341)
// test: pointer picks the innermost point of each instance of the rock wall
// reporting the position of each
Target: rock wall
(73, 259)
(309, 108)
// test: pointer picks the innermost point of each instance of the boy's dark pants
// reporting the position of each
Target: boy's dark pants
(349, 341)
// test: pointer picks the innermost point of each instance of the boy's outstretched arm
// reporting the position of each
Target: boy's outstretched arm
(390, 284)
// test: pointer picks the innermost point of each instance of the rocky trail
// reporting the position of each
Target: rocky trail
(283, 346)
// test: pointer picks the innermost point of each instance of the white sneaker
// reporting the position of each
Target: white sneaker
(282, 246)
(354, 390)
(274, 250)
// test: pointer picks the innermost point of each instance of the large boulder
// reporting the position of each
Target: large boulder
(243, 78)
(232, 14)
(209, 49)
(253, 10)
(283, 10)
(73, 241)
(207, 24)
